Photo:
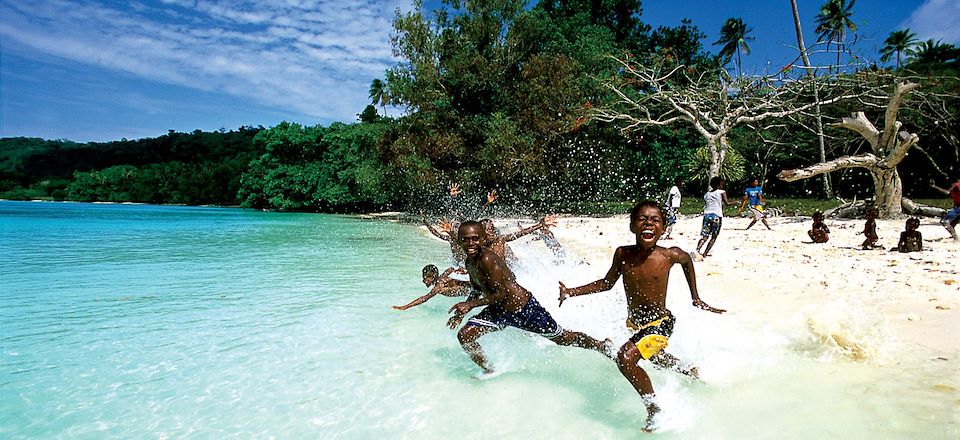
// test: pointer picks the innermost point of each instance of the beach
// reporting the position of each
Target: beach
(868, 305)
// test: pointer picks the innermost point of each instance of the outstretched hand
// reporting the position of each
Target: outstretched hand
(550, 220)
(564, 293)
(454, 321)
(454, 189)
(491, 196)
(702, 305)
(446, 226)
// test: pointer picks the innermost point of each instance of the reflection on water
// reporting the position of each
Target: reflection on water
(165, 322)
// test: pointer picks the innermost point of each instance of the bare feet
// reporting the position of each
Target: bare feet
(609, 350)
(652, 411)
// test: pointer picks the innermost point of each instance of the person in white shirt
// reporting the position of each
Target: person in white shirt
(671, 208)
(712, 214)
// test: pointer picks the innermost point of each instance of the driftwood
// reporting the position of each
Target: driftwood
(858, 209)
(912, 208)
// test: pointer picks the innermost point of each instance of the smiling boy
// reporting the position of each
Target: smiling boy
(507, 302)
(645, 268)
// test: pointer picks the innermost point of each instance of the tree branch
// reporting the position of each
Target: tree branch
(867, 160)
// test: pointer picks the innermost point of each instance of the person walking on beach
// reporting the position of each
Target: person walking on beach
(440, 284)
(952, 217)
(671, 206)
(754, 196)
(507, 303)
(645, 268)
(713, 200)
(870, 230)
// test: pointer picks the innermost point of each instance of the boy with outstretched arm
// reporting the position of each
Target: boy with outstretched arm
(507, 303)
(440, 284)
(645, 268)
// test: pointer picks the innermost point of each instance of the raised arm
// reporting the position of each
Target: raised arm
(436, 233)
(945, 191)
(547, 221)
(679, 256)
(601, 285)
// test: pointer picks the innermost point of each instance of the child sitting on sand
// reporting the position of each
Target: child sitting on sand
(870, 230)
(441, 283)
(645, 268)
(910, 240)
(819, 233)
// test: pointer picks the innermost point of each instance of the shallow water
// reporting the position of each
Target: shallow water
(137, 321)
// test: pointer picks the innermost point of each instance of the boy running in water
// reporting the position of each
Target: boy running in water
(645, 268)
(507, 303)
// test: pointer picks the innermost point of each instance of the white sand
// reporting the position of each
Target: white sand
(848, 295)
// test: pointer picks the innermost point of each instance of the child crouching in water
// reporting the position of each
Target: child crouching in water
(819, 233)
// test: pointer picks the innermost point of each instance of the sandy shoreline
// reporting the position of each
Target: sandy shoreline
(846, 295)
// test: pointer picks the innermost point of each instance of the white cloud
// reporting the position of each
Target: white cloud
(936, 19)
(312, 57)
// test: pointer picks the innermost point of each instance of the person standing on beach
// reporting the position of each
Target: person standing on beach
(952, 217)
(672, 206)
(645, 268)
(507, 303)
(870, 230)
(754, 196)
(714, 200)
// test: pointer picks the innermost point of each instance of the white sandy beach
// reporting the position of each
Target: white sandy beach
(872, 306)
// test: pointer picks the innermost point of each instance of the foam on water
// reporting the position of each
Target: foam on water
(174, 322)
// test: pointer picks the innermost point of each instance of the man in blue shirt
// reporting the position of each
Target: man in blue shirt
(754, 196)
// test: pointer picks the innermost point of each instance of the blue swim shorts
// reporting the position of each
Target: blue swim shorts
(711, 225)
(532, 318)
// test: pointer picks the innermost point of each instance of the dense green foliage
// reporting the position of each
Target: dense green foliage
(497, 96)
(188, 168)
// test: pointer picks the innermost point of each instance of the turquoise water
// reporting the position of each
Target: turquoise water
(136, 321)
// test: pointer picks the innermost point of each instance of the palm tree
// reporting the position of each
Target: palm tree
(833, 22)
(935, 52)
(827, 187)
(899, 42)
(378, 93)
(733, 37)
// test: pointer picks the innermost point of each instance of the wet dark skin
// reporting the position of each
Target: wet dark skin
(491, 276)
(442, 284)
(645, 268)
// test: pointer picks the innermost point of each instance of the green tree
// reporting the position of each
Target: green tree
(833, 22)
(899, 42)
(378, 94)
(932, 53)
(733, 39)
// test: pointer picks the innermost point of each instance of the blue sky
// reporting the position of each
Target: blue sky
(90, 70)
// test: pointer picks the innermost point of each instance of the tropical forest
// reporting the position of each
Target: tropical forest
(560, 106)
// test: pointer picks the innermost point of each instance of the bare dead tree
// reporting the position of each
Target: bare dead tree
(889, 144)
(712, 103)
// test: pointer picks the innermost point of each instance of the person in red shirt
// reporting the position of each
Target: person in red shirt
(950, 220)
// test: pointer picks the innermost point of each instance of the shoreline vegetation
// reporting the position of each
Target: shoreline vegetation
(543, 105)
